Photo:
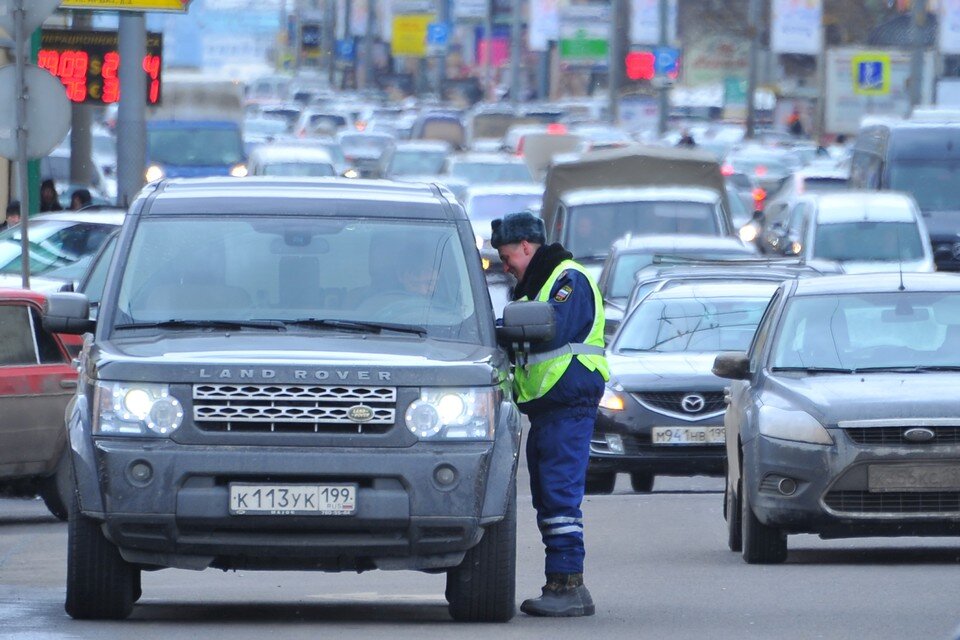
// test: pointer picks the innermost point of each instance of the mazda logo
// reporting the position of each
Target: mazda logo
(360, 413)
(693, 403)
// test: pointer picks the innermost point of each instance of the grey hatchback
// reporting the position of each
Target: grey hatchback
(843, 418)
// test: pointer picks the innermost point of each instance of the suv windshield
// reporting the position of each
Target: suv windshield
(307, 273)
(872, 241)
(594, 227)
(866, 331)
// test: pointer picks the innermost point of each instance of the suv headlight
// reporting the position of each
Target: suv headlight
(136, 409)
(798, 426)
(453, 414)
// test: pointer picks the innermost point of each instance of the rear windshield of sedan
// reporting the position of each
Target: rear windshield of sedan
(486, 208)
(287, 269)
(868, 241)
(298, 169)
(669, 325)
(857, 331)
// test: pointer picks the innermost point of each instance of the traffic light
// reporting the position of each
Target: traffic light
(640, 65)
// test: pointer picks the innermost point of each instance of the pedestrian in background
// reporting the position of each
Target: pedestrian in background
(12, 218)
(49, 201)
(80, 199)
(559, 389)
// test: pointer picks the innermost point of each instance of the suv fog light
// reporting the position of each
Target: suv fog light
(444, 475)
(614, 443)
(141, 472)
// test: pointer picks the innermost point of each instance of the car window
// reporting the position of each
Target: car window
(870, 241)
(17, 346)
(52, 245)
(351, 269)
(97, 276)
(763, 333)
(853, 331)
(47, 347)
(692, 324)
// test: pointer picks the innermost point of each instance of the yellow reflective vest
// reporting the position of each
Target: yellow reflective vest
(544, 369)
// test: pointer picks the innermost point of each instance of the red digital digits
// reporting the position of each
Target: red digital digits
(73, 68)
(111, 82)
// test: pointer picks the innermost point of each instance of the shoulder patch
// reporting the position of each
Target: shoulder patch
(563, 274)
(563, 293)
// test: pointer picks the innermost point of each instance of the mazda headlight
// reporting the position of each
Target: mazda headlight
(453, 414)
(136, 409)
(798, 426)
(612, 399)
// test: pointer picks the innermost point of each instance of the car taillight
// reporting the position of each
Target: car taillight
(727, 170)
(759, 195)
(760, 170)
(557, 128)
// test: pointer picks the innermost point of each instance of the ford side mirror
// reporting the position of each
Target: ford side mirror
(67, 313)
(526, 323)
(732, 366)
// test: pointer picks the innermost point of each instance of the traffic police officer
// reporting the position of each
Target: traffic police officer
(559, 389)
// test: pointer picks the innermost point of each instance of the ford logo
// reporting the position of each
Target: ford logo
(360, 413)
(919, 435)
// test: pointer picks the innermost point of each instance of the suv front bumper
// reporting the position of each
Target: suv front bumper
(405, 517)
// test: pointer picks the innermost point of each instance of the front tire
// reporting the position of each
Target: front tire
(101, 585)
(642, 482)
(762, 544)
(600, 483)
(732, 511)
(483, 587)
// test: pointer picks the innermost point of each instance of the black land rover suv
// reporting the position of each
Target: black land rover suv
(268, 388)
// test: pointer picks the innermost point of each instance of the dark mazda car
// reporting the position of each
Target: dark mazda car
(843, 418)
(662, 411)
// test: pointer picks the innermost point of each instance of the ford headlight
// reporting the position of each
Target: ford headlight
(798, 426)
(136, 409)
(453, 414)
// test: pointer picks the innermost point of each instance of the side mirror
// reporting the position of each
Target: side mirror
(732, 366)
(526, 322)
(67, 313)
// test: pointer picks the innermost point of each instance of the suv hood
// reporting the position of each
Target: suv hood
(665, 371)
(296, 358)
(866, 396)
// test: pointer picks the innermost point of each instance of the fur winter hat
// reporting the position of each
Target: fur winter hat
(515, 227)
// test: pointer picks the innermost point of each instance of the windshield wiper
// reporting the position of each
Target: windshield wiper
(205, 324)
(815, 369)
(910, 368)
(356, 325)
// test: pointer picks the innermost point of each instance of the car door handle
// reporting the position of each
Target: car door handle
(68, 384)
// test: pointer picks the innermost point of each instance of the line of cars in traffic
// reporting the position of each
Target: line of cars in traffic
(659, 228)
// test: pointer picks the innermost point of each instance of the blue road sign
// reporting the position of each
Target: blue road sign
(438, 34)
(870, 74)
(346, 49)
(666, 60)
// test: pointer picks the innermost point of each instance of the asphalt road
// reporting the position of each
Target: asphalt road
(657, 566)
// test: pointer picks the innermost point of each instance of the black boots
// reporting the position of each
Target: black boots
(563, 596)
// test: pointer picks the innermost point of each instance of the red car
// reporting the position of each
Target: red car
(37, 381)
